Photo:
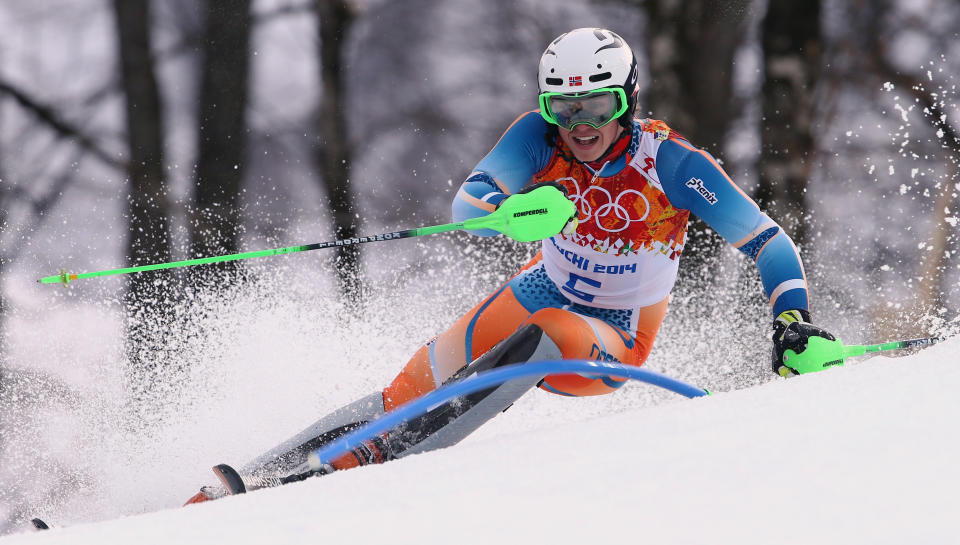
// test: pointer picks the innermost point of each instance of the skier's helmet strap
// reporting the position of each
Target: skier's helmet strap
(587, 59)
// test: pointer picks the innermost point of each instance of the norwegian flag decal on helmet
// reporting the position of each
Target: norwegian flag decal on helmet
(576, 80)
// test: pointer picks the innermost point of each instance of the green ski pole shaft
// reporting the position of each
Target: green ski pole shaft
(536, 215)
(858, 350)
(64, 278)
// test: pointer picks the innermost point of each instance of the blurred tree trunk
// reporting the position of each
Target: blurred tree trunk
(222, 129)
(792, 48)
(333, 151)
(3, 315)
(148, 207)
(4, 199)
(932, 287)
(691, 45)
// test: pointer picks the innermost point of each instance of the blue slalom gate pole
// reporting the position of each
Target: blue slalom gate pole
(474, 383)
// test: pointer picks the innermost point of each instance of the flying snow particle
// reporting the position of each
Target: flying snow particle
(903, 113)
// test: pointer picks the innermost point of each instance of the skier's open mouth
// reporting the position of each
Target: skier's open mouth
(586, 140)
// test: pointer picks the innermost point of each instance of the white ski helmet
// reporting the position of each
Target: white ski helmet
(587, 59)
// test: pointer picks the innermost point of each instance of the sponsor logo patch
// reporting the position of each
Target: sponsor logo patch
(536, 211)
(597, 353)
(697, 184)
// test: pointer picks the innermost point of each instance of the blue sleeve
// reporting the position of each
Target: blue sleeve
(521, 152)
(692, 180)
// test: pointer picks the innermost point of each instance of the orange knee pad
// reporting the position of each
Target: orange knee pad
(583, 337)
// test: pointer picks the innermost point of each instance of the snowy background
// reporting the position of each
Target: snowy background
(862, 453)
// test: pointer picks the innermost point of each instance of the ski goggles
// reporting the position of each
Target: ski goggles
(595, 108)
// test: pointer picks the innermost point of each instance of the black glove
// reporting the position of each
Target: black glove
(557, 185)
(791, 330)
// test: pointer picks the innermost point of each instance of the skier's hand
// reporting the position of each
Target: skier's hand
(791, 331)
(571, 225)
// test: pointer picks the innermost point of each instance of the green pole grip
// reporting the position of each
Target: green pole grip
(526, 217)
(820, 354)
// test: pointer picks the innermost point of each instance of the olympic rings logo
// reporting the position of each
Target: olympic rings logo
(604, 211)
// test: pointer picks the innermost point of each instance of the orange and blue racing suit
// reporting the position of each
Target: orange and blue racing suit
(600, 293)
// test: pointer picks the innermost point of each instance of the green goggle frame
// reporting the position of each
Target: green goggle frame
(547, 113)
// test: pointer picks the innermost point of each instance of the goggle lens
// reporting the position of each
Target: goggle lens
(596, 108)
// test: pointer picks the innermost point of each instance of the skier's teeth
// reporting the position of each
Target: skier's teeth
(585, 139)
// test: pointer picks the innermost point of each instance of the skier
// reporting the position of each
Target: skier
(599, 290)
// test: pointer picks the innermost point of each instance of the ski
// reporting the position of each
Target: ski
(233, 483)
(39, 524)
(230, 479)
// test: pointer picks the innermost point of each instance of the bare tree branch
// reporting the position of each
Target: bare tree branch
(40, 206)
(51, 118)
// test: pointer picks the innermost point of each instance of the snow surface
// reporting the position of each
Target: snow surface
(862, 454)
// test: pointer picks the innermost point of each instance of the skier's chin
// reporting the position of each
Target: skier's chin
(587, 143)
(586, 152)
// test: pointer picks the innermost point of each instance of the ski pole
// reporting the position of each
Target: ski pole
(524, 217)
(822, 353)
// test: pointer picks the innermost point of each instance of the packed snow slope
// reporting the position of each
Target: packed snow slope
(862, 454)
